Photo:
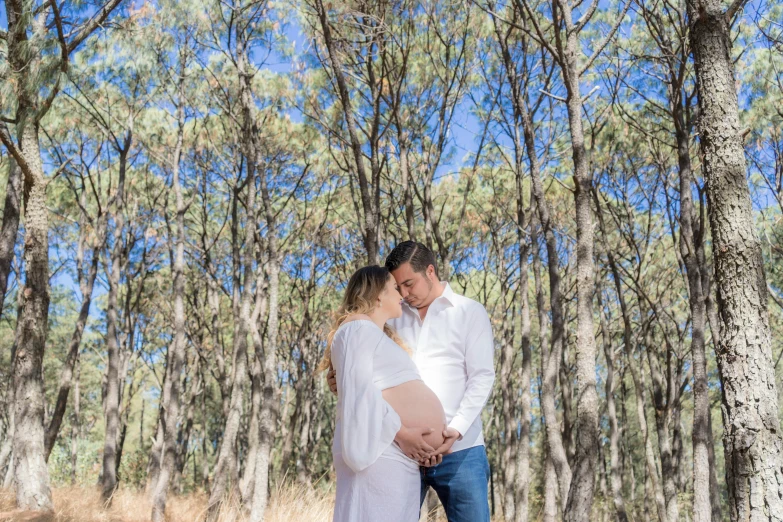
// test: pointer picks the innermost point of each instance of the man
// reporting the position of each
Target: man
(452, 343)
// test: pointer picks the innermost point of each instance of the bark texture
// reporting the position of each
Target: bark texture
(752, 440)
(30, 472)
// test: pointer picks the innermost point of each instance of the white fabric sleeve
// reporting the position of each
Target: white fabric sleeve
(369, 424)
(480, 368)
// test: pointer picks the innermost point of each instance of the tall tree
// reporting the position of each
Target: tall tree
(567, 52)
(752, 441)
(34, 81)
(172, 392)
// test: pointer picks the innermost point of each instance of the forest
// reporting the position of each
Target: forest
(186, 186)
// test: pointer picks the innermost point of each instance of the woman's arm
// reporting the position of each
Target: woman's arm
(369, 424)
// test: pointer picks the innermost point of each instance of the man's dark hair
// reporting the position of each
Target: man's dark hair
(417, 254)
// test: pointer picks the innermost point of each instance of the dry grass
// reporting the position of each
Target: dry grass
(72, 504)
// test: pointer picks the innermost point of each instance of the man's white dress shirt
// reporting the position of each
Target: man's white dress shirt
(453, 350)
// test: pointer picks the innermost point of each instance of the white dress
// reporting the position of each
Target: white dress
(376, 481)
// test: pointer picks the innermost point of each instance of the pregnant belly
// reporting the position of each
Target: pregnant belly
(418, 407)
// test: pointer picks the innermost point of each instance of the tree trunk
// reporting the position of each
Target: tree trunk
(551, 364)
(10, 227)
(616, 477)
(227, 458)
(171, 393)
(6, 455)
(5, 449)
(75, 418)
(112, 403)
(156, 450)
(370, 218)
(652, 481)
(30, 472)
(507, 421)
(752, 440)
(269, 407)
(522, 467)
(580, 496)
(72, 359)
(302, 465)
(550, 476)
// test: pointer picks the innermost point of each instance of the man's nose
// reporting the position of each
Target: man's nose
(403, 292)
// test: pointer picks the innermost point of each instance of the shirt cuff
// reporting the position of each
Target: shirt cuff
(460, 424)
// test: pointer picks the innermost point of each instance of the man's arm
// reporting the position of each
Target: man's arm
(480, 367)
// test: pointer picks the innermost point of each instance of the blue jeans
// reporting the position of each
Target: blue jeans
(461, 484)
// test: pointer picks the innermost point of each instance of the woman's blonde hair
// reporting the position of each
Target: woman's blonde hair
(364, 288)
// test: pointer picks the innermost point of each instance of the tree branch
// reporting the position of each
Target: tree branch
(89, 26)
(539, 36)
(599, 49)
(582, 22)
(47, 104)
(558, 98)
(7, 140)
(733, 9)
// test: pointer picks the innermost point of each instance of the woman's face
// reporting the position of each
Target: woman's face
(390, 299)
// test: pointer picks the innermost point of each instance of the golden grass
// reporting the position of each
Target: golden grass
(74, 504)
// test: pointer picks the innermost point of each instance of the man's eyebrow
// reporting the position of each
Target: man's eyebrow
(406, 281)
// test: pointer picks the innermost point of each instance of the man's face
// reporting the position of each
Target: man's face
(415, 287)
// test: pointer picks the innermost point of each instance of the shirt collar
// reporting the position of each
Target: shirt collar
(447, 295)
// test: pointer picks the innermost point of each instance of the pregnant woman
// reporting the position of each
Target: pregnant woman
(380, 399)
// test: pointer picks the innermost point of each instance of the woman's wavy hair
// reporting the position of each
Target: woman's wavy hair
(364, 287)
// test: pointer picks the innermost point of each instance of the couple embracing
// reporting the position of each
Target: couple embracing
(411, 362)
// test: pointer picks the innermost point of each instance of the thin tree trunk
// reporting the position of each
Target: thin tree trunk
(171, 393)
(752, 440)
(702, 511)
(204, 439)
(712, 320)
(6, 456)
(227, 458)
(550, 475)
(183, 439)
(522, 467)
(302, 471)
(156, 450)
(652, 481)
(10, 226)
(370, 218)
(247, 482)
(580, 496)
(551, 364)
(290, 427)
(662, 403)
(506, 470)
(269, 407)
(75, 419)
(112, 403)
(72, 359)
(614, 428)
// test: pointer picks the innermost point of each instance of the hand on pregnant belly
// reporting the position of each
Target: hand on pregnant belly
(418, 407)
